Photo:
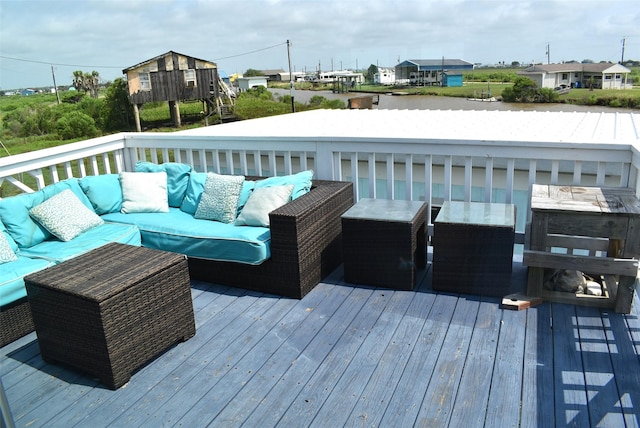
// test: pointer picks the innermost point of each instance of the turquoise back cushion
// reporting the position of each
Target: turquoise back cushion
(104, 192)
(194, 192)
(14, 212)
(177, 178)
(301, 182)
(12, 243)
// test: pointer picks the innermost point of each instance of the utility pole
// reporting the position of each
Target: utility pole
(623, 41)
(293, 105)
(548, 54)
(55, 87)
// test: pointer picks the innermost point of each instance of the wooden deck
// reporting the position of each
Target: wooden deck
(356, 356)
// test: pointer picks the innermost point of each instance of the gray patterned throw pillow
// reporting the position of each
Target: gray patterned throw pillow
(6, 252)
(65, 216)
(219, 200)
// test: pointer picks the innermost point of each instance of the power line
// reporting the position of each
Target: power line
(121, 67)
(58, 64)
(251, 52)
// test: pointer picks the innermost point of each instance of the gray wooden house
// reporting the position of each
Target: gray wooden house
(175, 77)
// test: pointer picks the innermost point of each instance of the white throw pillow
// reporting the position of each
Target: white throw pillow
(261, 202)
(144, 192)
(219, 200)
(65, 216)
(6, 252)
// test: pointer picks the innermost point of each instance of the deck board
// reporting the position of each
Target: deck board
(508, 366)
(356, 356)
(475, 384)
(600, 381)
(537, 380)
(570, 389)
(446, 363)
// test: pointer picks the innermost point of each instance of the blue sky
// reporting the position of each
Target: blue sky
(110, 35)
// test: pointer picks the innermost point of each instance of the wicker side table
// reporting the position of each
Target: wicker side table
(110, 311)
(473, 248)
(384, 241)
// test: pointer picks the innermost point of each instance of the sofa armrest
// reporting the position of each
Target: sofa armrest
(302, 229)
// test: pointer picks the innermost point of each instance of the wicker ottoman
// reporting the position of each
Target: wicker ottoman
(384, 241)
(110, 311)
(473, 248)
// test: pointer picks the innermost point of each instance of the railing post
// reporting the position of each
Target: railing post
(324, 161)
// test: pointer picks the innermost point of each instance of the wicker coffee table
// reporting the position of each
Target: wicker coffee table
(384, 242)
(110, 311)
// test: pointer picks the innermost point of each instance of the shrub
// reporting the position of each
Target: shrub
(316, 101)
(333, 104)
(91, 107)
(76, 124)
(547, 95)
(615, 103)
(28, 121)
(117, 112)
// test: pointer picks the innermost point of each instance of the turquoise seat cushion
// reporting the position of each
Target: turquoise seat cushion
(180, 232)
(14, 212)
(196, 187)
(301, 182)
(177, 178)
(59, 251)
(12, 277)
(103, 191)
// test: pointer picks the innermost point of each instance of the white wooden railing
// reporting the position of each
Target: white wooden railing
(417, 170)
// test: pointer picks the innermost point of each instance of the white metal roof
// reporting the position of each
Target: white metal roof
(460, 125)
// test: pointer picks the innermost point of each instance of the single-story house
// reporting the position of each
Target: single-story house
(429, 71)
(282, 76)
(276, 74)
(27, 91)
(245, 83)
(385, 76)
(595, 75)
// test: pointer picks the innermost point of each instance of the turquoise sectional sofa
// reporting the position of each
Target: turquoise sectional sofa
(286, 250)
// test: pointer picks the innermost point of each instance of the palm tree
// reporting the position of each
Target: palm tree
(87, 82)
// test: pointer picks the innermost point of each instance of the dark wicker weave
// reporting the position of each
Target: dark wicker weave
(306, 245)
(473, 258)
(15, 321)
(111, 310)
(382, 248)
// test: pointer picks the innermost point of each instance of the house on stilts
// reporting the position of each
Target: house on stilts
(174, 77)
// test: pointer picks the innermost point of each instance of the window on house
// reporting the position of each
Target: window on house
(607, 77)
(565, 76)
(145, 81)
(190, 77)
